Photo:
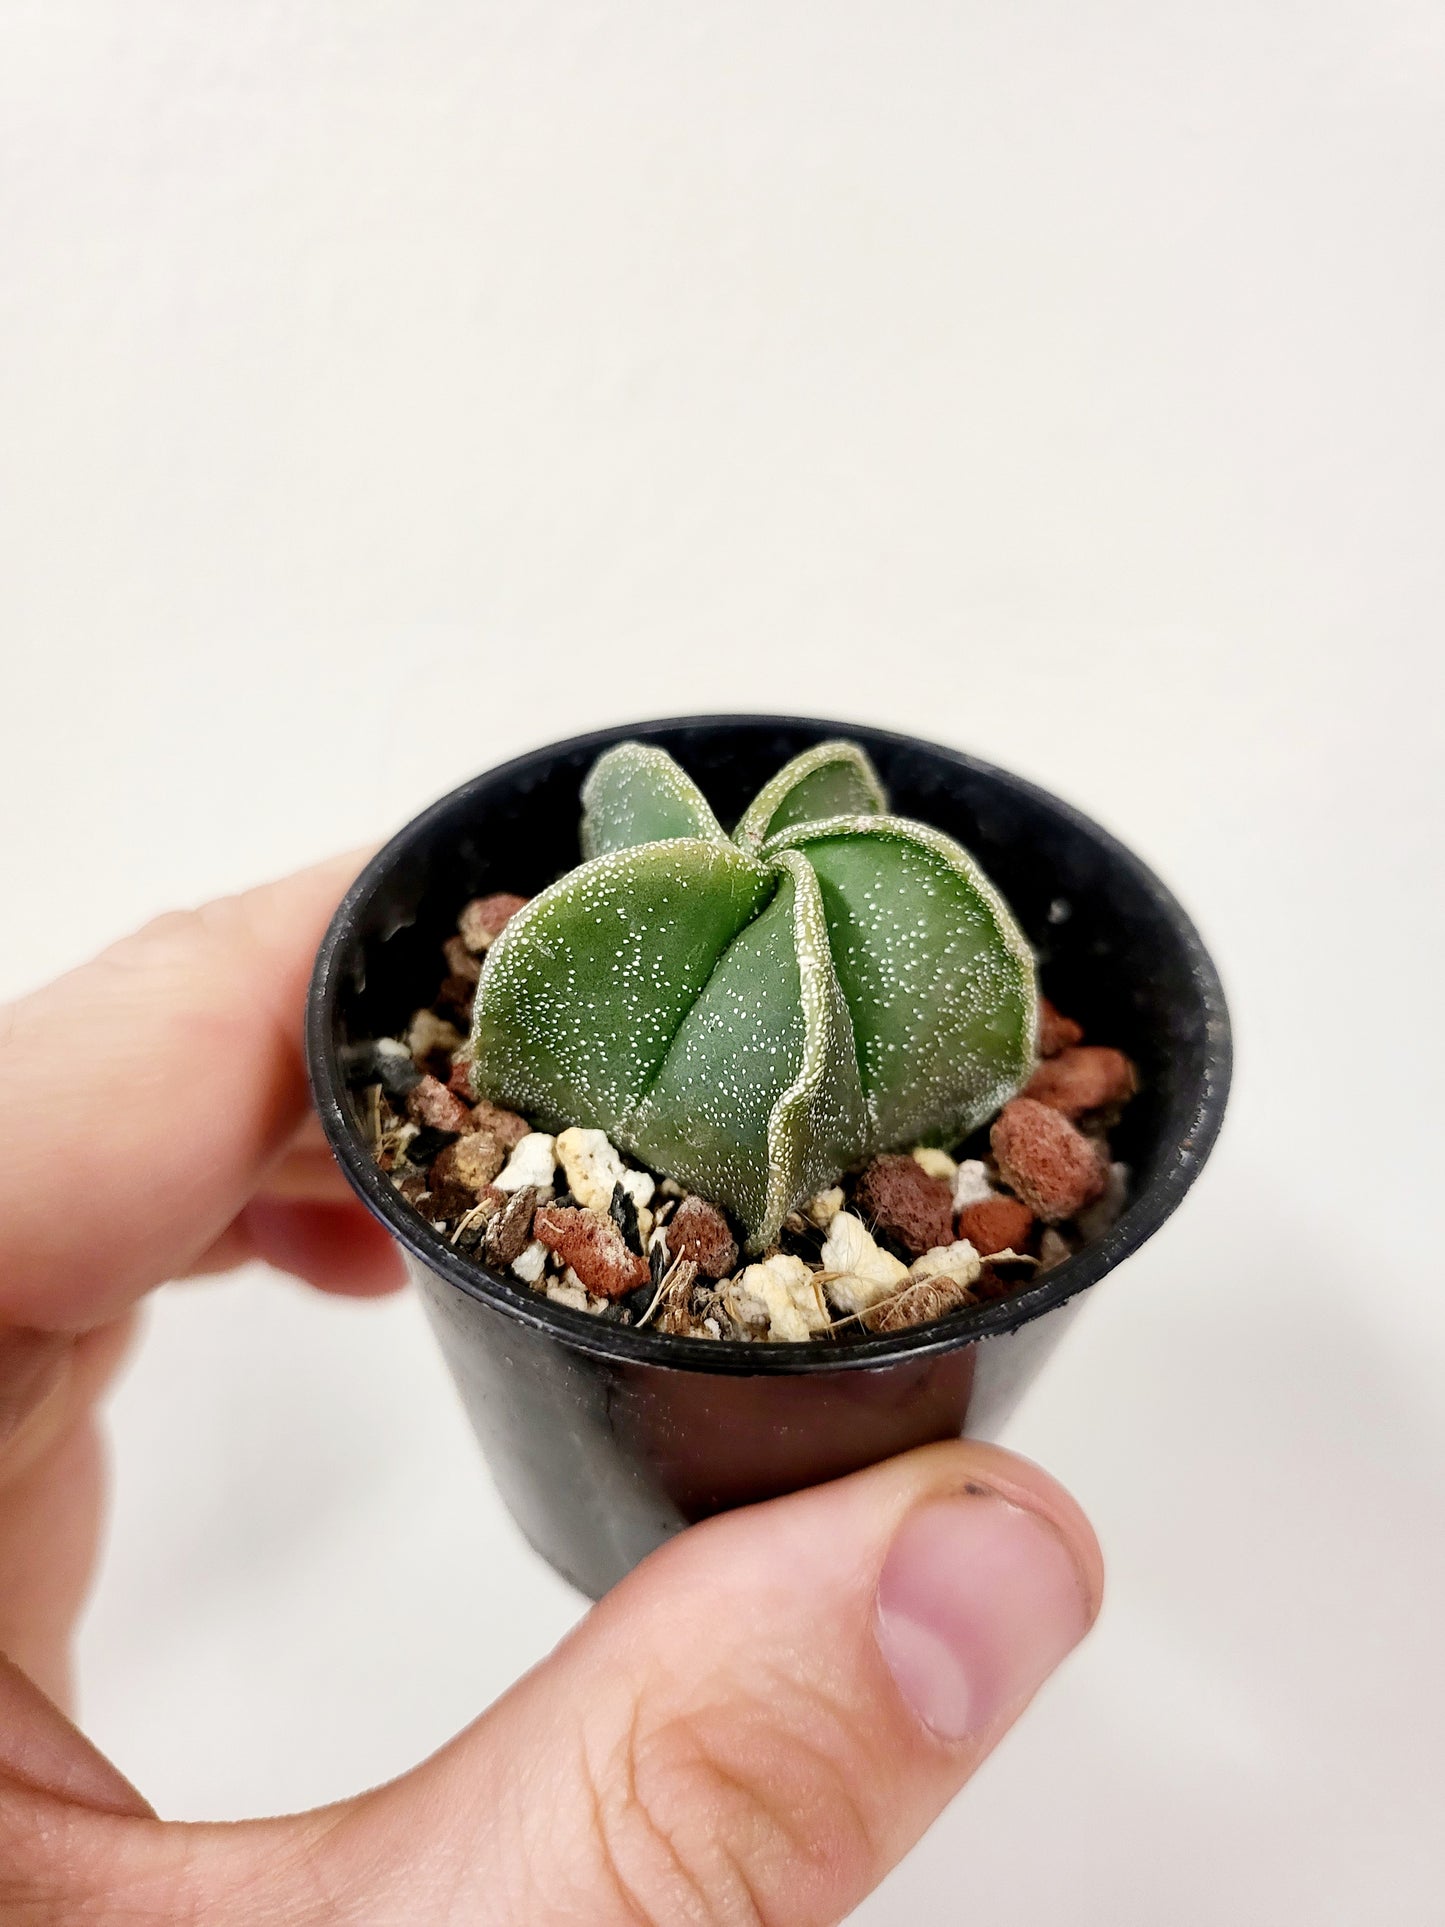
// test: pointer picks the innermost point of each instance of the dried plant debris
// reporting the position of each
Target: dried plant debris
(908, 1237)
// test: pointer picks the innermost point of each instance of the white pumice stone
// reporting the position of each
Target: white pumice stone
(393, 1050)
(572, 1282)
(592, 1166)
(1054, 1247)
(532, 1263)
(957, 1261)
(533, 1161)
(1097, 1218)
(428, 1032)
(783, 1290)
(569, 1290)
(824, 1207)
(864, 1271)
(971, 1184)
(639, 1186)
(748, 1312)
(938, 1164)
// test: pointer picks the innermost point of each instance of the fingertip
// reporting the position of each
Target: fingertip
(191, 1031)
(978, 1602)
(41, 1749)
(821, 1524)
(965, 1463)
(336, 1248)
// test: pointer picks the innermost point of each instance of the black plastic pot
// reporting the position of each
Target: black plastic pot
(604, 1440)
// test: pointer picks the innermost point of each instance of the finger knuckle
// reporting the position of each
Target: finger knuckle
(61, 1862)
(742, 1813)
(183, 941)
(169, 939)
(200, 962)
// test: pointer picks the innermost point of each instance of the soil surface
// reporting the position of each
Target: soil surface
(912, 1235)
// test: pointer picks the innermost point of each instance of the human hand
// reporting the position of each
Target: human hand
(753, 1727)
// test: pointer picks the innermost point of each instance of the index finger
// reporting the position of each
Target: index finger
(149, 1092)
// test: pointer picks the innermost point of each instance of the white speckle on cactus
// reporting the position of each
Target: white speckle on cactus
(831, 779)
(637, 794)
(753, 1023)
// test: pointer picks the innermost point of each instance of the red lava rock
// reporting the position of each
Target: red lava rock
(462, 1171)
(593, 1246)
(989, 1285)
(413, 1187)
(460, 961)
(1054, 1168)
(484, 918)
(995, 1224)
(430, 1102)
(505, 1126)
(699, 1232)
(1056, 1032)
(509, 1232)
(1086, 1077)
(459, 1083)
(905, 1203)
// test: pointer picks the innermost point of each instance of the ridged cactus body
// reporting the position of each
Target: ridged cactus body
(753, 1014)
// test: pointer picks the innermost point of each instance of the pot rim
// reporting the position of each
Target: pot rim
(585, 1332)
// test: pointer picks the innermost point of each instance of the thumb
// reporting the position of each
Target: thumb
(758, 1723)
(752, 1728)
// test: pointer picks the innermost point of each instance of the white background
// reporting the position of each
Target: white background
(388, 387)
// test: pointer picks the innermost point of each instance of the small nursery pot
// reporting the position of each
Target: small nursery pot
(605, 1440)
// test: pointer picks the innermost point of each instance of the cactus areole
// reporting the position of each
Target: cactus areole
(754, 1014)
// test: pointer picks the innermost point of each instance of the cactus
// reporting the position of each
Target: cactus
(753, 1014)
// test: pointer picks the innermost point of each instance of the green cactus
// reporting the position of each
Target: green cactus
(753, 1014)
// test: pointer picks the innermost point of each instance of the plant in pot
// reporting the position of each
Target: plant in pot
(730, 1162)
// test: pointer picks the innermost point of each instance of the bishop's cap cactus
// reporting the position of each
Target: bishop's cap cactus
(753, 1014)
